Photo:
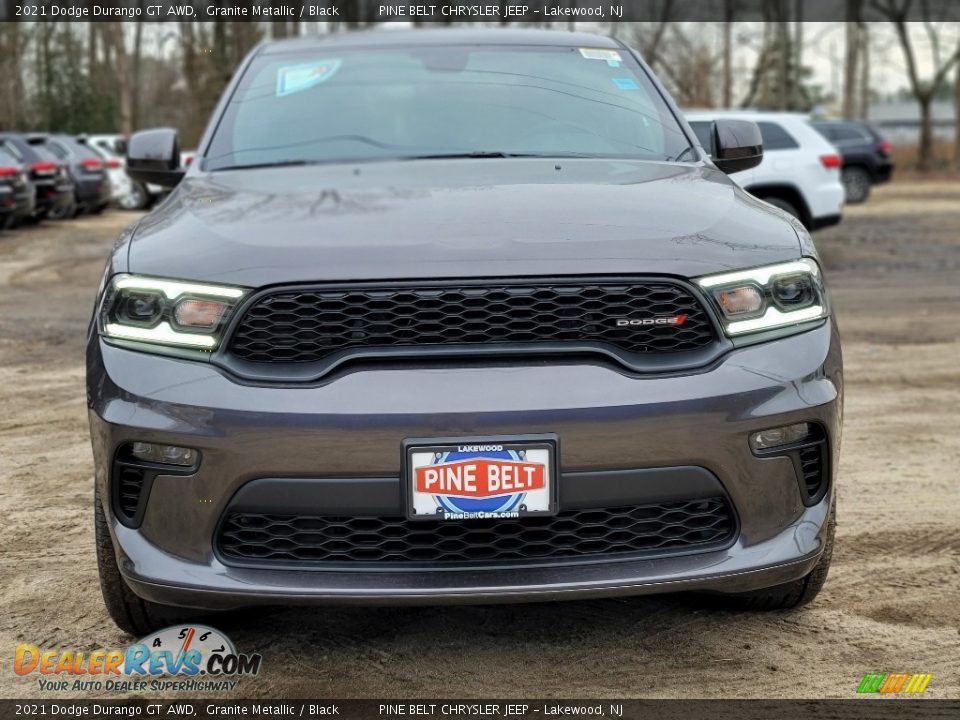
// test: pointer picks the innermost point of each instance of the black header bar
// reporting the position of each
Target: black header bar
(364, 12)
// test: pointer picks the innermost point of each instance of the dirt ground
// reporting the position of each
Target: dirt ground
(890, 604)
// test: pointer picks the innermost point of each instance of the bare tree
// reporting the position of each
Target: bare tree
(13, 43)
(689, 66)
(648, 36)
(924, 90)
(113, 32)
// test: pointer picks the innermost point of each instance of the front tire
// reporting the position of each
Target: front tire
(856, 185)
(792, 594)
(787, 207)
(136, 199)
(132, 614)
(62, 212)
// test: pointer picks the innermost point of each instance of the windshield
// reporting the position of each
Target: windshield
(6, 159)
(393, 103)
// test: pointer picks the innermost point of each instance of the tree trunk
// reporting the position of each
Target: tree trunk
(799, 101)
(12, 42)
(92, 49)
(852, 28)
(864, 109)
(925, 149)
(956, 115)
(114, 31)
(136, 79)
(728, 12)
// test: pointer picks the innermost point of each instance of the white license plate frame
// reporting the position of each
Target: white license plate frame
(494, 463)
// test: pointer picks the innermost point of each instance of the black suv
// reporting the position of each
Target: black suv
(865, 153)
(88, 171)
(455, 317)
(17, 194)
(53, 188)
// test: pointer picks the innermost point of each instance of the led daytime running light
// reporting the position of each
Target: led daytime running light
(166, 326)
(772, 313)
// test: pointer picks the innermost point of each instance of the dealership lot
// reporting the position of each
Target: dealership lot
(889, 605)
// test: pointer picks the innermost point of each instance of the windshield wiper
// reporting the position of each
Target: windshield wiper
(484, 154)
(480, 154)
(275, 163)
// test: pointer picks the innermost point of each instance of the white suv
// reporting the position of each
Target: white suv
(125, 192)
(800, 172)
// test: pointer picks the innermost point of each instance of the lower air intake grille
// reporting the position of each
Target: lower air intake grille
(812, 468)
(588, 534)
(129, 489)
(300, 326)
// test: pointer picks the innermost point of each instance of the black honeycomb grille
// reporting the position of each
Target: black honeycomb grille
(811, 468)
(297, 326)
(285, 539)
(130, 487)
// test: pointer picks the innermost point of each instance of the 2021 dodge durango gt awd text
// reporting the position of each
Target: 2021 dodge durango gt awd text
(457, 317)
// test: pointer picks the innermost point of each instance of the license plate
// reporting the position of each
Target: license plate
(480, 478)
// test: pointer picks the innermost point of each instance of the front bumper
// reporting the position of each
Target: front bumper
(52, 196)
(92, 192)
(883, 173)
(353, 426)
(17, 201)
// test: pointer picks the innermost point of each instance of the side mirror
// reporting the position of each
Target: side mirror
(737, 145)
(153, 156)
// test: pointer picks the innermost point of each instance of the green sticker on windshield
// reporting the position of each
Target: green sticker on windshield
(297, 78)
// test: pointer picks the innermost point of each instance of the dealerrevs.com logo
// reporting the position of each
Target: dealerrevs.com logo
(181, 657)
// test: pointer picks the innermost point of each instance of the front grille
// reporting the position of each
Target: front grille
(299, 326)
(588, 534)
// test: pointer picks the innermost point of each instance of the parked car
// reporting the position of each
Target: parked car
(800, 172)
(126, 193)
(415, 328)
(865, 153)
(120, 183)
(53, 188)
(88, 171)
(17, 194)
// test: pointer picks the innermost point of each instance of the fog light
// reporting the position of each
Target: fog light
(777, 437)
(165, 454)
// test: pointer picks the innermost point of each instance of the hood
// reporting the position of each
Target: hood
(452, 218)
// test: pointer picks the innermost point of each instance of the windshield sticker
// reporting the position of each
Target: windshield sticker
(626, 83)
(611, 56)
(297, 78)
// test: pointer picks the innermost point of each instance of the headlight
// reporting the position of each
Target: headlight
(166, 312)
(767, 298)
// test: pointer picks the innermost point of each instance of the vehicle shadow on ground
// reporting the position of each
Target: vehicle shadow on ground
(467, 650)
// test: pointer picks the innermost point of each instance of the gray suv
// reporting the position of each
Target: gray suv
(454, 317)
